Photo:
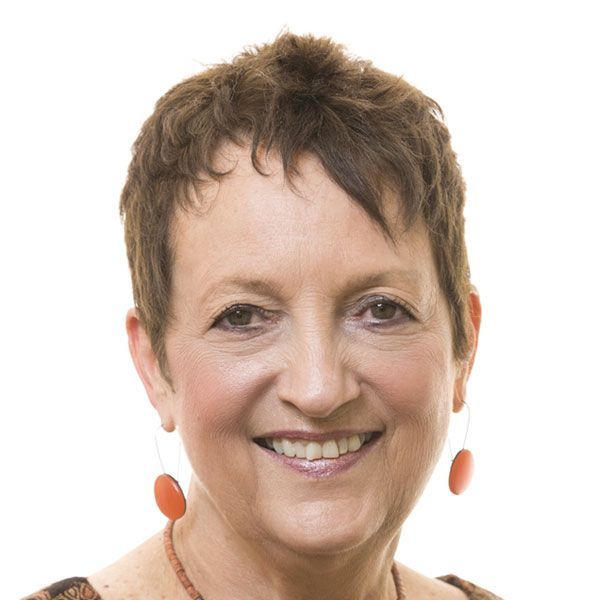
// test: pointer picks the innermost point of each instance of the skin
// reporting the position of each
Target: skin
(319, 359)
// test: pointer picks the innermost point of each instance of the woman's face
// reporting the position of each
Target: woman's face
(316, 348)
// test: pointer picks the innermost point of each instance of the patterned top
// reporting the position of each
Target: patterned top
(78, 588)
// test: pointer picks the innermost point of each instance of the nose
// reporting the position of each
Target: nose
(317, 381)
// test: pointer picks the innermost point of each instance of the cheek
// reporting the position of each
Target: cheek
(417, 380)
(417, 392)
(213, 401)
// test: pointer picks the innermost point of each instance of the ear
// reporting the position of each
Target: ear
(460, 386)
(147, 367)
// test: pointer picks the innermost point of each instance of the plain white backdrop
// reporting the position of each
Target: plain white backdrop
(518, 83)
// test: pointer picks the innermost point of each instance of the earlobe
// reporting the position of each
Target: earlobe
(146, 366)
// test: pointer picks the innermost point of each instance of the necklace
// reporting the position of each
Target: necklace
(195, 595)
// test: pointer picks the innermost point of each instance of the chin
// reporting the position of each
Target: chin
(324, 527)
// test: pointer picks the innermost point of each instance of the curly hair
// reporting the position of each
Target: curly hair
(371, 130)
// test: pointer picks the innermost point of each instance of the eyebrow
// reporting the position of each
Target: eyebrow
(265, 287)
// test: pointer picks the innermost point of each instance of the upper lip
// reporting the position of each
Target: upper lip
(314, 436)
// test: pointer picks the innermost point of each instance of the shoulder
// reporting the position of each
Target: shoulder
(447, 587)
(139, 574)
(73, 588)
(142, 573)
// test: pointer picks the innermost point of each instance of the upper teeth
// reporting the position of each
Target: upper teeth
(313, 450)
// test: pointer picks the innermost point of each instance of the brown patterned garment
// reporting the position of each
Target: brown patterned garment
(74, 588)
(78, 588)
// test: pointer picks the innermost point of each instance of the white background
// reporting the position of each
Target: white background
(518, 85)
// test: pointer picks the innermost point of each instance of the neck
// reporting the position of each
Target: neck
(223, 562)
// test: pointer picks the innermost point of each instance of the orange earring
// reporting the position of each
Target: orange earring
(167, 492)
(461, 470)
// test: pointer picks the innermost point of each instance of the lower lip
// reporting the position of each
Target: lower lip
(322, 467)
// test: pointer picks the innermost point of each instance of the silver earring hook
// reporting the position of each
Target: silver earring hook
(162, 466)
(466, 432)
(157, 450)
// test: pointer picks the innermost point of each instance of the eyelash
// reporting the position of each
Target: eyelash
(372, 301)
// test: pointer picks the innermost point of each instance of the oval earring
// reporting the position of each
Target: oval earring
(463, 465)
(168, 494)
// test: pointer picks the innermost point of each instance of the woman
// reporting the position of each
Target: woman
(304, 318)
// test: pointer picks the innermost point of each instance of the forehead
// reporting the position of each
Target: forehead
(250, 224)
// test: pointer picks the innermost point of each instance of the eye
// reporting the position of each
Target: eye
(238, 316)
(386, 310)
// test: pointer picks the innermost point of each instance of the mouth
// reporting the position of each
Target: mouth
(312, 450)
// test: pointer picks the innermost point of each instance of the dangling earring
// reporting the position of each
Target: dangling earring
(461, 470)
(167, 492)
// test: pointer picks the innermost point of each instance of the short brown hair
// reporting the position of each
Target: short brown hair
(371, 130)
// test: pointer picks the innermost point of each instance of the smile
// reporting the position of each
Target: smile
(321, 460)
(312, 450)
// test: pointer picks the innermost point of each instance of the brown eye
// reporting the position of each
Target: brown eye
(387, 312)
(383, 310)
(239, 317)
